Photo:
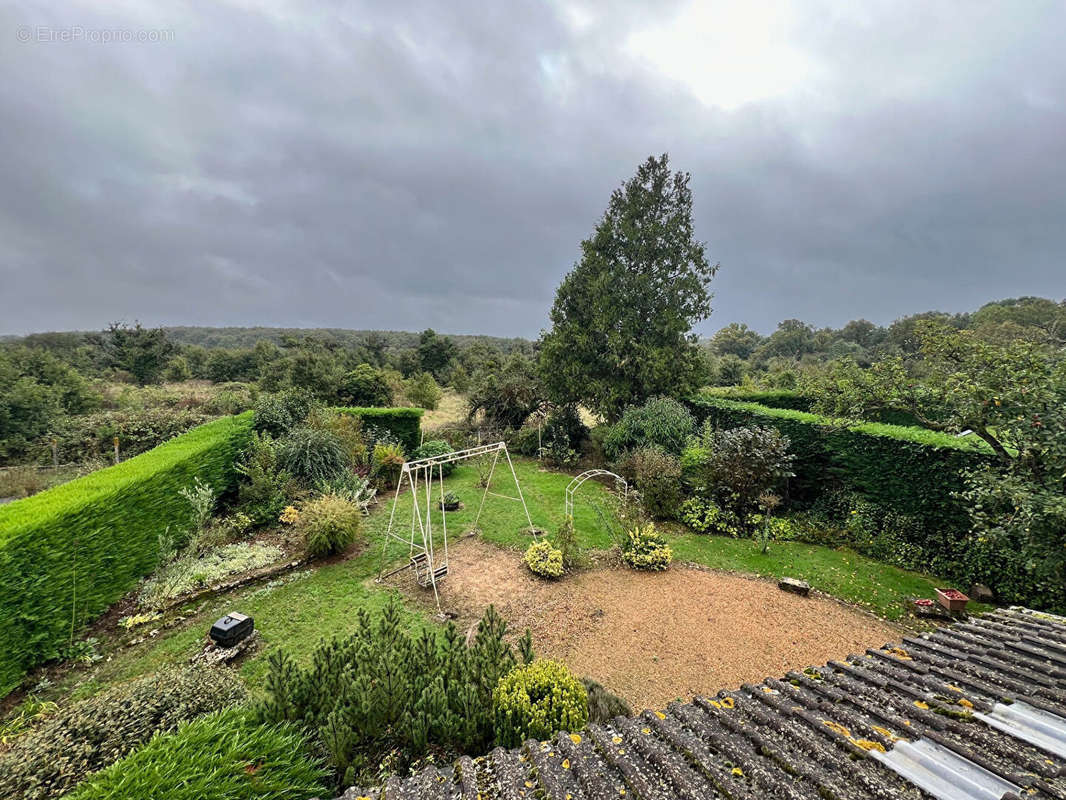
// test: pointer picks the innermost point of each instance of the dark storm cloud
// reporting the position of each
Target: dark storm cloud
(437, 164)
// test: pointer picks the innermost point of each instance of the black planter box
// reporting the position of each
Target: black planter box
(231, 629)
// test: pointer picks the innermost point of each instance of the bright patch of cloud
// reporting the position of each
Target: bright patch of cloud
(727, 53)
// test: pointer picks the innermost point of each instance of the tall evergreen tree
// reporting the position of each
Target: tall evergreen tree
(622, 319)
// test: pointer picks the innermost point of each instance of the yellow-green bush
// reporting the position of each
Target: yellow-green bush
(69, 552)
(536, 700)
(643, 547)
(329, 524)
(544, 560)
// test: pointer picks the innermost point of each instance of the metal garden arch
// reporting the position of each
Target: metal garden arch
(575, 484)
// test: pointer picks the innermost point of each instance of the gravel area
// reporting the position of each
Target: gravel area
(655, 637)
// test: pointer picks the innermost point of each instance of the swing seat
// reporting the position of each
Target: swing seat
(420, 564)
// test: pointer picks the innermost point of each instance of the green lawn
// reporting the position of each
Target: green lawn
(322, 602)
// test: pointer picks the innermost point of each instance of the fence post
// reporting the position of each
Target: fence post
(116, 449)
(55, 454)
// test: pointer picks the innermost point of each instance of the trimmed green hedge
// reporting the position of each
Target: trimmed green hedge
(404, 423)
(68, 553)
(772, 398)
(794, 401)
(910, 471)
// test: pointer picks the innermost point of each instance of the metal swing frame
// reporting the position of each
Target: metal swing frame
(576, 483)
(419, 476)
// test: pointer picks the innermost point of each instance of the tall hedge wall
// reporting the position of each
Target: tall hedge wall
(772, 398)
(68, 553)
(404, 423)
(794, 401)
(911, 471)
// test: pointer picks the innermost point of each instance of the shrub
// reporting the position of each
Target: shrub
(748, 462)
(351, 487)
(365, 386)
(222, 756)
(562, 436)
(90, 734)
(566, 541)
(138, 429)
(189, 573)
(69, 552)
(706, 516)
(23, 481)
(264, 488)
(537, 700)
(544, 560)
(423, 391)
(695, 467)
(388, 460)
(384, 689)
(566, 421)
(661, 422)
(279, 413)
(348, 429)
(525, 441)
(604, 705)
(329, 524)
(645, 548)
(312, 455)
(658, 476)
(435, 447)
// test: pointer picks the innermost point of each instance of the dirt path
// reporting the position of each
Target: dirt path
(655, 637)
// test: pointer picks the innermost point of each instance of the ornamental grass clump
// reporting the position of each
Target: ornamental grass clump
(329, 524)
(544, 560)
(222, 756)
(643, 547)
(537, 700)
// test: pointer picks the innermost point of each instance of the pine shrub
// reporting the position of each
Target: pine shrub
(385, 690)
(537, 700)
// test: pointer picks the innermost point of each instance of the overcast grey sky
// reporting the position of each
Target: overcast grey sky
(402, 165)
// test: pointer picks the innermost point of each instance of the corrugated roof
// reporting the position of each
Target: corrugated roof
(973, 711)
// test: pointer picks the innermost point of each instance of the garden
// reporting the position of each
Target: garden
(283, 516)
(224, 611)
